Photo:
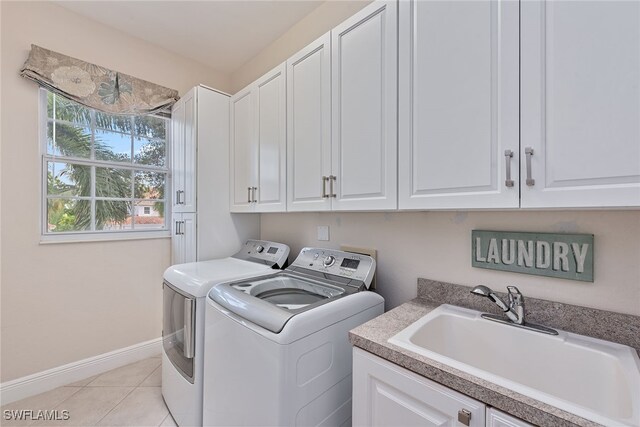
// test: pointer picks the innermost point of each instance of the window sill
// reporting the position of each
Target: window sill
(103, 237)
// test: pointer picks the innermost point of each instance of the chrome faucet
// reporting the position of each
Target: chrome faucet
(514, 309)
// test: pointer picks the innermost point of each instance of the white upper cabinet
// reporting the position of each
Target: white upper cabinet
(309, 127)
(458, 111)
(364, 109)
(183, 143)
(258, 145)
(271, 140)
(243, 152)
(580, 94)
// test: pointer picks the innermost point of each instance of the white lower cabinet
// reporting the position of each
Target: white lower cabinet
(183, 238)
(496, 418)
(385, 394)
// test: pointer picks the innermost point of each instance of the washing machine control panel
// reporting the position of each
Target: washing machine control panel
(262, 251)
(338, 263)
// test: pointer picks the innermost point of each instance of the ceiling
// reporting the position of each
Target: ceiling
(221, 34)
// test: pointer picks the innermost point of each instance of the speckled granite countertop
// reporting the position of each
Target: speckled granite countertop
(373, 336)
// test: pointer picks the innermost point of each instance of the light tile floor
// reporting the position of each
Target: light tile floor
(126, 396)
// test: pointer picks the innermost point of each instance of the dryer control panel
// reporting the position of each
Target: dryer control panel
(264, 252)
(338, 263)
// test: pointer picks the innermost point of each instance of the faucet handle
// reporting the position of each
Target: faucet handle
(515, 296)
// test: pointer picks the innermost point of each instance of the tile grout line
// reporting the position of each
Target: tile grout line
(145, 378)
(115, 406)
(164, 419)
(124, 397)
(35, 422)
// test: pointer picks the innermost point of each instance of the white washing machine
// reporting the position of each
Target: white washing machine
(276, 347)
(184, 292)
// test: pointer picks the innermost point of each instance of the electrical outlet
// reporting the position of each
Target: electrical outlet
(323, 232)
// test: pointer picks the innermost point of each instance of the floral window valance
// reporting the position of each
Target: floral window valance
(94, 86)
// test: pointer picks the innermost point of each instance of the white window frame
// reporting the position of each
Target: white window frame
(97, 235)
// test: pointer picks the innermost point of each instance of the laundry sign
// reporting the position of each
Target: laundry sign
(561, 255)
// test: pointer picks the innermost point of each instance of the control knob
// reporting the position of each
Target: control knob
(259, 249)
(329, 261)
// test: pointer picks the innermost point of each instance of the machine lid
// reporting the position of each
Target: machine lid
(197, 278)
(271, 301)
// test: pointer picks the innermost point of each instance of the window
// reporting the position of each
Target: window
(103, 175)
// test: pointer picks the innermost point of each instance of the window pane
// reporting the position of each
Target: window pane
(150, 126)
(67, 179)
(52, 148)
(112, 182)
(65, 215)
(68, 140)
(109, 122)
(112, 146)
(149, 185)
(50, 101)
(113, 215)
(70, 111)
(149, 214)
(149, 152)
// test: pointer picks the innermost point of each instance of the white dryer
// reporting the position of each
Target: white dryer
(184, 292)
(276, 347)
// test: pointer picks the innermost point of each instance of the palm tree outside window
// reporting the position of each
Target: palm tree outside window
(102, 173)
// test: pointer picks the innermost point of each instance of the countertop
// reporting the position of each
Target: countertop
(373, 335)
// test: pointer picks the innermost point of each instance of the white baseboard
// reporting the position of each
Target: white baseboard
(37, 383)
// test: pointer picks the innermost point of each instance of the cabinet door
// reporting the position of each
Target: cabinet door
(459, 104)
(188, 198)
(183, 238)
(189, 235)
(309, 127)
(177, 155)
(385, 394)
(177, 240)
(364, 109)
(271, 139)
(243, 153)
(580, 90)
(496, 418)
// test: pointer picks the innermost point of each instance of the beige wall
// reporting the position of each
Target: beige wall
(65, 302)
(322, 19)
(437, 245)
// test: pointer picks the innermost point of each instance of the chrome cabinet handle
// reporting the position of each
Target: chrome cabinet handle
(508, 155)
(529, 152)
(255, 189)
(179, 200)
(189, 337)
(332, 179)
(249, 195)
(179, 228)
(324, 187)
(464, 417)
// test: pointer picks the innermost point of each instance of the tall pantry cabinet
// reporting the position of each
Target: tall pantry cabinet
(202, 227)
